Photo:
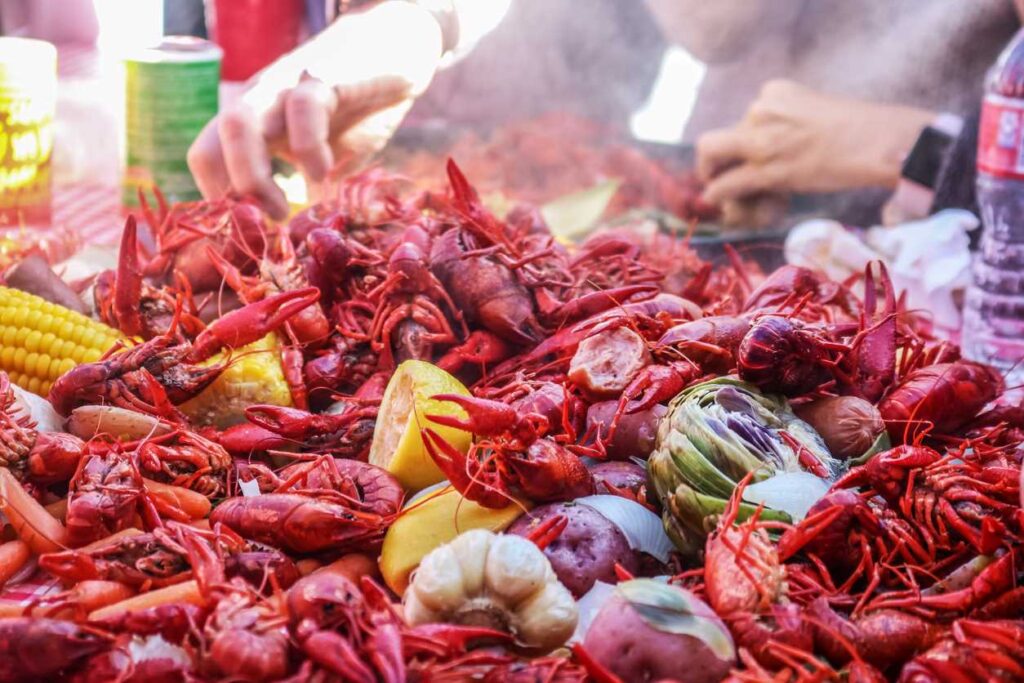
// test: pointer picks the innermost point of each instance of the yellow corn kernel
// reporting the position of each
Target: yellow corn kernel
(253, 376)
(40, 341)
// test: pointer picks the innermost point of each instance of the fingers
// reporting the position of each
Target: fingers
(247, 160)
(742, 181)
(717, 150)
(206, 162)
(307, 113)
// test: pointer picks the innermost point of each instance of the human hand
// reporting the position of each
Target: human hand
(794, 139)
(325, 107)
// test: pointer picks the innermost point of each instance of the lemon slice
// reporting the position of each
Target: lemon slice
(435, 519)
(397, 445)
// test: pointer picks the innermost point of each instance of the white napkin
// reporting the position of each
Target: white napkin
(929, 259)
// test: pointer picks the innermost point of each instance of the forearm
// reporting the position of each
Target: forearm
(392, 39)
(717, 30)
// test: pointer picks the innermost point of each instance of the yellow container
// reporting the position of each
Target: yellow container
(28, 102)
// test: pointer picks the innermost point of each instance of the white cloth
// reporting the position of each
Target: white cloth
(929, 259)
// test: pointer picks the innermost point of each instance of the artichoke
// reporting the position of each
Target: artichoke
(713, 435)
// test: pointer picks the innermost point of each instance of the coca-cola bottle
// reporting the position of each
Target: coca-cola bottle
(993, 329)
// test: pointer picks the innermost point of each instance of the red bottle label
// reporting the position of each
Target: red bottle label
(1001, 137)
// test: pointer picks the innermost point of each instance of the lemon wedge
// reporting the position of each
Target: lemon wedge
(433, 520)
(397, 445)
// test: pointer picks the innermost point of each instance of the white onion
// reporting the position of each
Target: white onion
(588, 606)
(423, 493)
(249, 488)
(791, 492)
(141, 649)
(641, 527)
(39, 409)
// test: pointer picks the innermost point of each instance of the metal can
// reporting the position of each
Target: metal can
(171, 92)
(28, 101)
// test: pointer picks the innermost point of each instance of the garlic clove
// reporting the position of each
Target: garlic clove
(438, 582)
(415, 611)
(548, 618)
(515, 569)
(473, 548)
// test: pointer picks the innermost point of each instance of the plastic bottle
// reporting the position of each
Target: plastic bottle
(993, 330)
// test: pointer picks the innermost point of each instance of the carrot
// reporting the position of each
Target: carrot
(195, 505)
(107, 540)
(13, 556)
(30, 520)
(187, 592)
(58, 508)
(308, 565)
(353, 566)
(91, 595)
(11, 609)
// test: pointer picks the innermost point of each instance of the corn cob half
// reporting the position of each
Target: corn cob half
(40, 341)
(253, 376)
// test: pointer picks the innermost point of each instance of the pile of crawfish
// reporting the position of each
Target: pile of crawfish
(249, 549)
(556, 154)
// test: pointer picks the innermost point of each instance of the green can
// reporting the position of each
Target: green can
(171, 92)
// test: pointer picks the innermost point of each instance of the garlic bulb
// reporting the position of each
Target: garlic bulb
(486, 579)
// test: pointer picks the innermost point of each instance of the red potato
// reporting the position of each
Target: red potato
(650, 630)
(605, 363)
(33, 274)
(586, 551)
(848, 425)
(635, 433)
(622, 476)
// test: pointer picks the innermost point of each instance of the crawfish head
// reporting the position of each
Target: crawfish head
(944, 397)
(323, 600)
(35, 649)
(549, 472)
(781, 356)
(887, 472)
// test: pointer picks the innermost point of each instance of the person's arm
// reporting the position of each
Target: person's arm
(721, 30)
(794, 139)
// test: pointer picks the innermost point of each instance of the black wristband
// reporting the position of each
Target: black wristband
(926, 160)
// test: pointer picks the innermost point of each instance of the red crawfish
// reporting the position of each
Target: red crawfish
(30, 454)
(513, 458)
(412, 307)
(745, 583)
(972, 651)
(950, 499)
(184, 458)
(344, 505)
(824, 299)
(939, 398)
(126, 300)
(185, 232)
(103, 496)
(155, 375)
(36, 649)
(279, 270)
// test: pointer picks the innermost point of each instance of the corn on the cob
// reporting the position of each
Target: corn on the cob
(253, 376)
(40, 341)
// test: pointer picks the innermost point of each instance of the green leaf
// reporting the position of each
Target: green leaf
(574, 214)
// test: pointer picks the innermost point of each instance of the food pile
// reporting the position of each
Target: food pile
(556, 154)
(402, 438)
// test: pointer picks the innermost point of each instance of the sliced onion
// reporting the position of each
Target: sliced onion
(423, 493)
(791, 492)
(39, 409)
(588, 606)
(249, 488)
(641, 527)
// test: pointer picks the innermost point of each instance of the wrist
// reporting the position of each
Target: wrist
(894, 130)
